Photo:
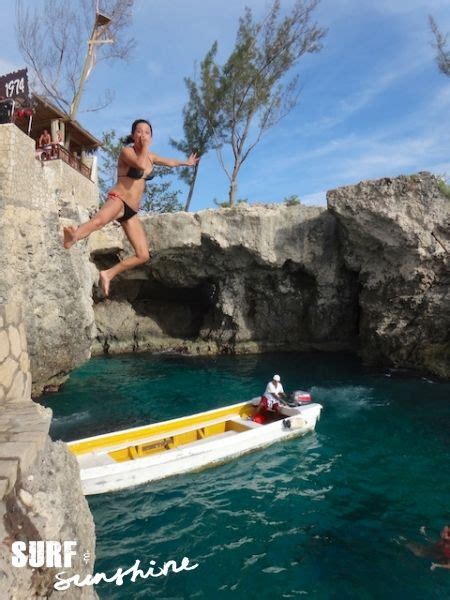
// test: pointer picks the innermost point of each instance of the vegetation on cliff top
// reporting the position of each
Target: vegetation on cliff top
(444, 188)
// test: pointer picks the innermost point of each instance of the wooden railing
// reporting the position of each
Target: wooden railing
(56, 151)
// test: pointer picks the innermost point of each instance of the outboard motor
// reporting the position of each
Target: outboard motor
(299, 397)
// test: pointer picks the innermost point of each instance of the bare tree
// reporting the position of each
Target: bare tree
(55, 37)
(440, 43)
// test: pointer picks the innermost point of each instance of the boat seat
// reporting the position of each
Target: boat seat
(211, 438)
(248, 423)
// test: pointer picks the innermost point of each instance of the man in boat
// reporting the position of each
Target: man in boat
(272, 398)
(274, 391)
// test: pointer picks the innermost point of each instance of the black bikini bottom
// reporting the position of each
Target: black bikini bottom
(128, 212)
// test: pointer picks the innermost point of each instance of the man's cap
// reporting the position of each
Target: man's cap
(276, 378)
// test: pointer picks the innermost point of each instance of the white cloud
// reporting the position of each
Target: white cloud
(374, 86)
(412, 139)
(387, 158)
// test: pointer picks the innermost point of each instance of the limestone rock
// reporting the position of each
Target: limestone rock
(396, 241)
(7, 371)
(4, 345)
(18, 387)
(26, 498)
(371, 272)
(53, 286)
(40, 490)
(14, 340)
(49, 509)
(233, 280)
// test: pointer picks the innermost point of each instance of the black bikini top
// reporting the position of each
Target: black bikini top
(136, 173)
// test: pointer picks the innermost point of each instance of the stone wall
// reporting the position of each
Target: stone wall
(36, 200)
(40, 491)
(15, 376)
(47, 185)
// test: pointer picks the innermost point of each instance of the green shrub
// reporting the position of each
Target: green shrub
(226, 203)
(221, 204)
(444, 188)
(293, 200)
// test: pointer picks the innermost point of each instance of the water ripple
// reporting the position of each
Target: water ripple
(328, 515)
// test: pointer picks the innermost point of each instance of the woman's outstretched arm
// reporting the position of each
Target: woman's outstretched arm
(173, 162)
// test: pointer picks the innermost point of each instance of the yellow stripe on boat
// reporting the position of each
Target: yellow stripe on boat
(180, 437)
(166, 429)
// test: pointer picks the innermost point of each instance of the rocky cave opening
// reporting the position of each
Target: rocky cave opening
(178, 311)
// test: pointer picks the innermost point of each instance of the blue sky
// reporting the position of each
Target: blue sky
(373, 103)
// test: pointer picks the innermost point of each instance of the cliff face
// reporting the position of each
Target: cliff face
(368, 274)
(371, 273)
(53, 286)
(395, 238)
(240, 280)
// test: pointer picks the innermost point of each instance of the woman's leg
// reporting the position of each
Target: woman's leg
(112, 209)
(135, 233)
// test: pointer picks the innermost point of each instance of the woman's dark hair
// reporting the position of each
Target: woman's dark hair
(129, 138)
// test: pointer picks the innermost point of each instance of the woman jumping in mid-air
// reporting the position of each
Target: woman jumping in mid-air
(134, 168)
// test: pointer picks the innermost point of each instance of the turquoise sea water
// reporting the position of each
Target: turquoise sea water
(324, 516)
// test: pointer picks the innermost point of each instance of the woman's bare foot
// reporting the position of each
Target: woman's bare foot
(69, 236)
(104, 282)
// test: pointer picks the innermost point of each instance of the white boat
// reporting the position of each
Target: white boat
(122, 459)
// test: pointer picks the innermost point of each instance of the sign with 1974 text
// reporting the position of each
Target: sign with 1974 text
(14, 85)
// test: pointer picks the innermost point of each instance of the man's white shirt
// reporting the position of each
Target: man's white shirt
(274, 388)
